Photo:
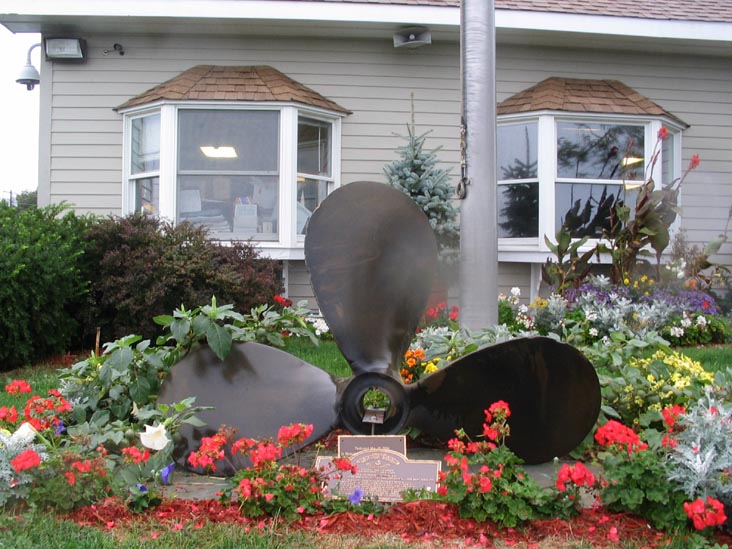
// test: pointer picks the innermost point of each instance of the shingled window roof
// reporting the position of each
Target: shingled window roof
(583, 96)
(221, 83)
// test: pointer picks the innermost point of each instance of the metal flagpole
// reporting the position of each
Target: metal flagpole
(477, 188)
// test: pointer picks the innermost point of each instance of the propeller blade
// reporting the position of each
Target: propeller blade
(371, 254)
(256, 390)
(551, 388)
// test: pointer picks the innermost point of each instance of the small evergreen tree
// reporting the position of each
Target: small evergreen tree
(416, 174)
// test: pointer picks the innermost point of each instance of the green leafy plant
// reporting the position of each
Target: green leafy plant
(266, 486)
(634, 475)
(633, 231)
(41, 285)
(571, 267)
(500, 491)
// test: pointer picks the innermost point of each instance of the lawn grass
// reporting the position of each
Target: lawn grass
(326, 356)
(712, 357)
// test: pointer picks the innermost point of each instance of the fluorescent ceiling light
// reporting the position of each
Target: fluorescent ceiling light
(628, 160)
(224, 151)
(65, 48)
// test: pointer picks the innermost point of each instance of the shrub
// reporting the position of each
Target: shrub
(40, 283)
(141, 267)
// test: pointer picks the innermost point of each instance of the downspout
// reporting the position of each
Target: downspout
(477, 187)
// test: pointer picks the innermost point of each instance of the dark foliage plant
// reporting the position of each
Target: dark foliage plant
(41, 286)
(141, 267)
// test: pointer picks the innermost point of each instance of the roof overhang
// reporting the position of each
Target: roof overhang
(356, 20)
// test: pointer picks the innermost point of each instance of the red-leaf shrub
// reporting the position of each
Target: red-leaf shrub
(140, 267)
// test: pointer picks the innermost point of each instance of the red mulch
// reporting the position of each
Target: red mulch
(414, 521)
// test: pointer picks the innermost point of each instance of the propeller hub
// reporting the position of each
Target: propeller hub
(353, 408)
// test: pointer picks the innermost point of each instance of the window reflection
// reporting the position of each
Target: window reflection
(518, 207)
(588, 150)
(587, 210)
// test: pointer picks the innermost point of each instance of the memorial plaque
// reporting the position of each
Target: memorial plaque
(383, 474)
(350, 444)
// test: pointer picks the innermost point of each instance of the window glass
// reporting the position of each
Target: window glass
(517, 151)
(310, 193)
(228, 172)
(593, 150)
(518, 210)
(228, 140)
(147, 195)
(585, 209)
(231, 206)
(313, 147)
(145, 144)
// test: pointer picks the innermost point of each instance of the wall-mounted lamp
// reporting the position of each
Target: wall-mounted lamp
(29, 76)
(412, 37)
(72, 50)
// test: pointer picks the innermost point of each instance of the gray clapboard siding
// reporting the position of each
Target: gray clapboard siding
(299, 288)
(376, 82)
(515, 274)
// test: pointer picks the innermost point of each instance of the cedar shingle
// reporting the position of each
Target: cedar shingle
(219, 83)
(575, 95)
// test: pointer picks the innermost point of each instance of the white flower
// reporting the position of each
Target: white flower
(701, 321)
(686, 321)
(591, 316)
(25, 434)
(515, 291)
(523, 309)
(155, 438)
(593, 332)
(676, 331)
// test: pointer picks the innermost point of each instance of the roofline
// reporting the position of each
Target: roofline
(675, 123)
(142, 108)
(30, 14)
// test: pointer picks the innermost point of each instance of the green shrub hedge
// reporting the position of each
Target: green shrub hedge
(41, 286)
(141, 267)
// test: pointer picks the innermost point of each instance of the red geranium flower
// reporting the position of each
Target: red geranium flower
(9, 414)
(705, 513)
(25, 460)
(694, 162)
(663, 133)
(18, 386)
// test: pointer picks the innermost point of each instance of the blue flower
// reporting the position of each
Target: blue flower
(141, 488)
(355, 497)
(60, 428)
(165, 473)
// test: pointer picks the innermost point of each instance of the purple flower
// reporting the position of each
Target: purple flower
(166, 471)
(60, 428)
(355, 497)
(141, 488)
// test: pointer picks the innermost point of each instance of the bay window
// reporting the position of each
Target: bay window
(244, 171)
(557, 169)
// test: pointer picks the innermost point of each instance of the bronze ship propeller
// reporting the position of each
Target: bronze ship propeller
(371, 254)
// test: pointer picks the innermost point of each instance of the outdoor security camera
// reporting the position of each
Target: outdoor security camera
(28, 76)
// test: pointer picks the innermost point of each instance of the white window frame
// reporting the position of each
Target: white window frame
(535, 250)
(290, 245)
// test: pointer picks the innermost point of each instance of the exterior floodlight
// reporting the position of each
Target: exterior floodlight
(28, 74)
(65, 49)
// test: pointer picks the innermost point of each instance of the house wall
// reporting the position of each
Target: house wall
(376, 82)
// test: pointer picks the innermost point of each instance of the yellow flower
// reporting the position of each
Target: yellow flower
(430, 367)
(626, 281)
(644, 278)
